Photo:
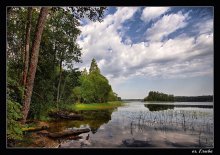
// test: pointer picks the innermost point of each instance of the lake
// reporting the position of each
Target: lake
(144, 124)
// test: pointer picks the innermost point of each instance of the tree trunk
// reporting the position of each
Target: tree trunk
(33, 62)
(59, 83)
(27, 46)
(63, 88)
(68, 133)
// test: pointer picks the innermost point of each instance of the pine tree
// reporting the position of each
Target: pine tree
(94, 67)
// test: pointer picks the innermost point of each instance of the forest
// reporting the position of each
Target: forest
(204, 98)
(158, 96)
(41, 53)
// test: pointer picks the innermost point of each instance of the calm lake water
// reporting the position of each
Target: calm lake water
(143, 124)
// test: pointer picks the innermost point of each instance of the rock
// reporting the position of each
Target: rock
(136, 143)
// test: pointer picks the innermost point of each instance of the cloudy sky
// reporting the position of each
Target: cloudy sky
(166, 49)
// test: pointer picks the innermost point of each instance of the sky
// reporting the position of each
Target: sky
(142, 49)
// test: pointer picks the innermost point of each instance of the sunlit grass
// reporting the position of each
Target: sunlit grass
(95, 106)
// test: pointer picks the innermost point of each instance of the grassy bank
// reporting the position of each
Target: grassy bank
(77, 107)
(94, 106)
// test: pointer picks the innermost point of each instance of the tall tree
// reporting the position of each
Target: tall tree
(66, 50)
(47, 72)
(94, 86)
(94, 67)
(27, 46)
(34, 61)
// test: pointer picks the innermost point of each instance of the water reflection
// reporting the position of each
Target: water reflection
(157, 107)
(170, 128)
(92, 119)
(140, 125)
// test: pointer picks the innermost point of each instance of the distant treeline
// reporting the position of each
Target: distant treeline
(207, 98)
(158, 96)
(127, 100)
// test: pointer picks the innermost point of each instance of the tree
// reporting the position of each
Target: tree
(59, 42)
(77, 93)
(57, 49)
(66, 50)
(101, 87)
(94, 67)
(157, 96)
(93, 13)
(27, 46)
(94, 86)
(112, 96)
(34, 61)
(14, 92)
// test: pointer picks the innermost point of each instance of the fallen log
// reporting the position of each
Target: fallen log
(68, 133)
(66, 115)
(43, 133)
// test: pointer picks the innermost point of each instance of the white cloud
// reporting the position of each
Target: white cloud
(180, 57)
(205, 26)
(166, 25)
(151, 13)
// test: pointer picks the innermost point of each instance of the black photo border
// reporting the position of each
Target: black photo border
(80, 151)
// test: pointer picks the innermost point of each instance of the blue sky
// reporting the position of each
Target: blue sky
(139, 49)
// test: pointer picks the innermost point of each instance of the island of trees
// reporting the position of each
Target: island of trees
(158, 96)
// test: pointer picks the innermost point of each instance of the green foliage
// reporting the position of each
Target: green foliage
(157, 96)
(95, 87)
(58, 45)
(70, 81)
(113, 96)
(58, 51)
(13, 114)
(93, 13)
(77, 94)
(205, 98)
(87, 89)
(94, 67)
(14, 131)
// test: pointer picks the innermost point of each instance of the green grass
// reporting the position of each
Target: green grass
(77, 107)
(94, 106)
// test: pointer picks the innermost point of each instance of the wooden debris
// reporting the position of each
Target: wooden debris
(68, 133)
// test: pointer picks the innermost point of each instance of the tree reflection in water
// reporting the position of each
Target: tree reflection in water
(92, 119)
(158, 107)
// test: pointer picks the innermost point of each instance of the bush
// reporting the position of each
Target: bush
(14, 95)
(14, 131)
